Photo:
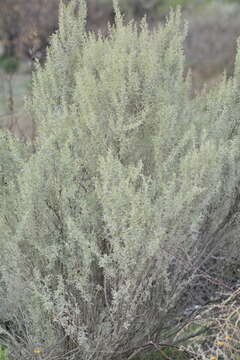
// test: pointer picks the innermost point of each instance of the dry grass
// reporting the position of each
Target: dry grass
(223, 337)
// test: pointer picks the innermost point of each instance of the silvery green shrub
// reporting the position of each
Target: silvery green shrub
(117, 210)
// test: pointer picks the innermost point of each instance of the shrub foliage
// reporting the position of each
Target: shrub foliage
(130, 194)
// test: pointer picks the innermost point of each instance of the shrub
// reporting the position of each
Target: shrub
(25, 25)
(116, 213)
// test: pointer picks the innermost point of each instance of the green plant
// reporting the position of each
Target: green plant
(10, 64)
(2, 353)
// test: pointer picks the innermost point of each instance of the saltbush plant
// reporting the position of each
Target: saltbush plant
(130, 194)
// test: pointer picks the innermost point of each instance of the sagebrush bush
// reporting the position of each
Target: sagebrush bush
(116, 212)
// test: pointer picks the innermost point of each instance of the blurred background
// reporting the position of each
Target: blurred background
(25, 27)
